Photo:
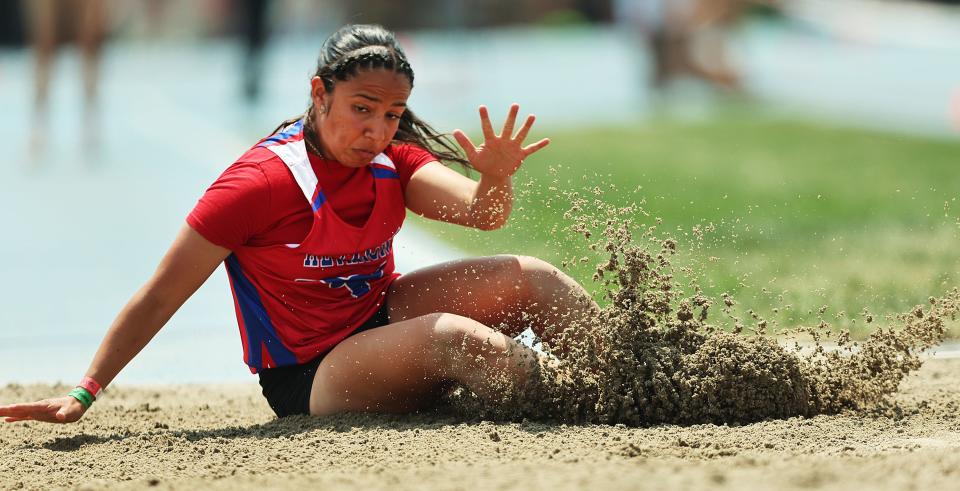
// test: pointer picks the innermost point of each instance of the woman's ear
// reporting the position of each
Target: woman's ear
(318, 93)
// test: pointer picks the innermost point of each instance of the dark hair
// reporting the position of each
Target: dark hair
(361, 47)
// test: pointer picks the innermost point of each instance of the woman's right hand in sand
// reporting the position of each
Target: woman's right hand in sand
(56, 410)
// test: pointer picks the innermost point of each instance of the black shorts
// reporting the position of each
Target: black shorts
(287, 389)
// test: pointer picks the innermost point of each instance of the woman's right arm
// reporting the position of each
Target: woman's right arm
(187, 264)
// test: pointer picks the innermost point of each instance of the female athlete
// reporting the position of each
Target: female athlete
(304, 222)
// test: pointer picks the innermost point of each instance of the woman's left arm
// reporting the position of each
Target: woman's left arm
(440, 193)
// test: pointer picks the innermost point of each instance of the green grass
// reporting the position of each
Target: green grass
(804, 215)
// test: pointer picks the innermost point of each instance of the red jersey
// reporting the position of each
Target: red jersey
(303, 276)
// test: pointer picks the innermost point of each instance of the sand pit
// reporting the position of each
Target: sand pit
(190, 437)
(651, 392)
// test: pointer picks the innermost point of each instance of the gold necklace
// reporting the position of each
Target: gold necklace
(310, 146)
(308, 140)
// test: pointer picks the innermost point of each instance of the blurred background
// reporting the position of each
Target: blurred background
(805, 153)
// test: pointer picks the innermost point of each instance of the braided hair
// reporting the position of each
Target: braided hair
(361, 47)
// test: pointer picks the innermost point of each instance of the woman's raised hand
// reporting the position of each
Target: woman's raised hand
(64, 409)
(500, 155)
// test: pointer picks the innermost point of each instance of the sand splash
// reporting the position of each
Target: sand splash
(652, 355)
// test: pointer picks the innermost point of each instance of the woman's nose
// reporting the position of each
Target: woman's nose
(375, 131)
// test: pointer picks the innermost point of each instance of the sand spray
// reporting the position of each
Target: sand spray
(655, 354)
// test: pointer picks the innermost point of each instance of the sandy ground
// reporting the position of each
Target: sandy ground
(225, 437)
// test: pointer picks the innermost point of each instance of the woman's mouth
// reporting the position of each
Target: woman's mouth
(367, 154)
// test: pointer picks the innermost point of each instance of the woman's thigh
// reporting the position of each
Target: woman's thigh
(486, 289)
(393, 368)
(405, 366)
(509, 293)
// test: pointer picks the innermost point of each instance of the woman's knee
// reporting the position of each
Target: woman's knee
(454, 336)
(533, 266)
(520, 264)
(536, 276)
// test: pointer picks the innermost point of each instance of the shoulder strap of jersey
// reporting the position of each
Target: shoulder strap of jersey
(383, 160)
(289, 146)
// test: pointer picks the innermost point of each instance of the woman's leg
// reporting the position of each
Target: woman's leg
(507, 292)
(91, 31)
(42, 15)
(439, 333)
(403, 366)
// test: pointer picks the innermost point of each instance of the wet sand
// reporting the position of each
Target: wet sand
(225, 437)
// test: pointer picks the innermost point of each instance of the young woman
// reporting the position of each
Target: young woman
(304, 222)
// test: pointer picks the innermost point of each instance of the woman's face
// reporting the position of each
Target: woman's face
(358, 119)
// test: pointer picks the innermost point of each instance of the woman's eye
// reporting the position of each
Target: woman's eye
(360, 109)
(393, 116)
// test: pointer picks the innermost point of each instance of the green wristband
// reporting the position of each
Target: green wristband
(82, 395)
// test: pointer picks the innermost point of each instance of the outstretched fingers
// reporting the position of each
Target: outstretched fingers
(21, 409)
(525, 129)
(39, 411)
(486, 124)
(504, 147)
(510, 122)
(57, 417)
(534, 147)
(468, 147)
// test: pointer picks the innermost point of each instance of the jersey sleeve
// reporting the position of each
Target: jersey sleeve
(235, 207)
(409, 158)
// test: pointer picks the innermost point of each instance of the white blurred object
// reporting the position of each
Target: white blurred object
(650, 15)
(415, 248)
(892, 23)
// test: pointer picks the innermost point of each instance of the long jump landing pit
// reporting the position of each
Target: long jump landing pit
(225, 437)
